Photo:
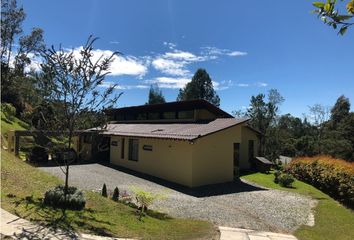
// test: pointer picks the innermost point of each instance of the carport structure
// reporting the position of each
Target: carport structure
(14, 136)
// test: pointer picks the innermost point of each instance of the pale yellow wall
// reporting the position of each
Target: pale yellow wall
(169, 159)
(248, 134)
(213, 155)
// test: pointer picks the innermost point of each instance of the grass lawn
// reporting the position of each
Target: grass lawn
(332, 220)
(22, 187)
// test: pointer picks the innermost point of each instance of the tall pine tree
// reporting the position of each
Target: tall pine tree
(201, 87)
(155, 95)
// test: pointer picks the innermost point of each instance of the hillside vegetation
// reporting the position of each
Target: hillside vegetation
(332, 176)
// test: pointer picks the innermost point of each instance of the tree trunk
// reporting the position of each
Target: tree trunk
(67, 163)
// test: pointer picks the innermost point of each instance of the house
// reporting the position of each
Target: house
(192, 143)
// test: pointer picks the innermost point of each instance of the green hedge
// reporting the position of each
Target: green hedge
(332, 176)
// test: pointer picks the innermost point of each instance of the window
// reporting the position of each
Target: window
(169, 115)
(251, 150)
(147, 147)
(122, 149)
(186, 114)
(141, 116)
(153, 115)
(133, 149)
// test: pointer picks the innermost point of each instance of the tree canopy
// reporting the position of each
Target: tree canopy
(155, 95)
(201, 87)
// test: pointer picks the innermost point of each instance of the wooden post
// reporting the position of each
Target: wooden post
(17, 144)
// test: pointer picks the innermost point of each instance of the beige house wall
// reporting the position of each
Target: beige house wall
(213, 157)
(248, 134)
(169, 159)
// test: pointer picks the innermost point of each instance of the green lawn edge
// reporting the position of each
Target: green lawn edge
(332, 220)
(23, 186)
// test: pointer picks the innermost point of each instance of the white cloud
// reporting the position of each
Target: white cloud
(123, 87)
(242, 85)
(170, 66)
(169, 82)
(182, 55)
(236, 53)
(256, 84)
(180, 82)
(121, 65)
(175, 62)
(261, 84)
(214, 52)
(170, 45)
(113, 42)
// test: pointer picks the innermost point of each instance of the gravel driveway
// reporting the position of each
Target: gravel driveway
(239, 205)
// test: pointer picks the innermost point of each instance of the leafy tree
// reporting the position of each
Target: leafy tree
(155, 95)
(12, 17)
(17, 85)
(319, 114)
(263, 117)
(330, 15)
(340, 109)
(73, 82)
(201, 87)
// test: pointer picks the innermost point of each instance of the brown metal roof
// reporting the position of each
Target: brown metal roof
(178, 131)
(172, 106)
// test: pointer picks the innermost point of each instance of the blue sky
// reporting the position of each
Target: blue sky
(248, 47)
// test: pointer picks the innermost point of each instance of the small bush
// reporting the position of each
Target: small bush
(115, 196)
(144, 199)
(286, 180)
(75, 199)
(332, 176)
(104, 191)
(276, 176)
(8, 110)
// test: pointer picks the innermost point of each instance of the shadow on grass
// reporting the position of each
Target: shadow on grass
(59, 222)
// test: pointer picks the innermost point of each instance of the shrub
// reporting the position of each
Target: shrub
(144, 199)
(75, 199)
(286, 180)
(104, 191)
(333, 176)
(115, 196)
(8, 110)
(276, 176)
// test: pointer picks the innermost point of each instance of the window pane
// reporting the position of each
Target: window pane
(141, 116)
(169, 115)
(153, 115)
(186, 114)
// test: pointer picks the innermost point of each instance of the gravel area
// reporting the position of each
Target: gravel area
(241, 204)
